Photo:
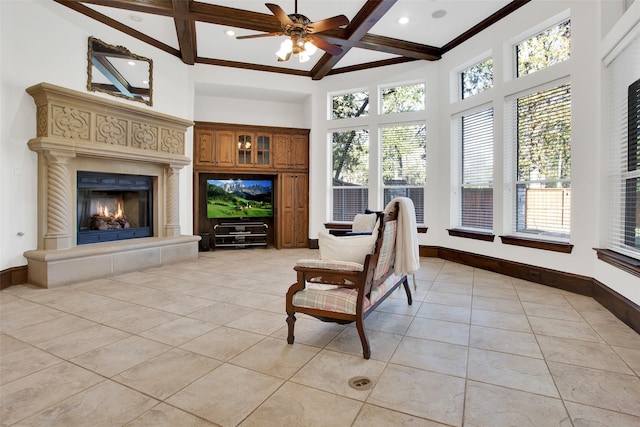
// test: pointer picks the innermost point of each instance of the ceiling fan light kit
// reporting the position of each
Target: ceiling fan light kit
(300, 31)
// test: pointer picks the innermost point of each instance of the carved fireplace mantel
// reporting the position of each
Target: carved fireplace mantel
(75, 132)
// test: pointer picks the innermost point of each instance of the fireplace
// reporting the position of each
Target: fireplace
(113, 207)
(94, 150)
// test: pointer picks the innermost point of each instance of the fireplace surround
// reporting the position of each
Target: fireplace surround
(79, 132)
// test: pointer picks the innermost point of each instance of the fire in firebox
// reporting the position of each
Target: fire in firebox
(109, 219)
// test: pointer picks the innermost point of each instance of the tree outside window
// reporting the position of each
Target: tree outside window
(543, 184)
(401, 99)
(477, 79)
(545, 49)
(353, 104)
(350, 173)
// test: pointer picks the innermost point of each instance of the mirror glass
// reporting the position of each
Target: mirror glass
(115, 70)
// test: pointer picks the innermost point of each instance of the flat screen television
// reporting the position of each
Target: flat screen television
(239, 198)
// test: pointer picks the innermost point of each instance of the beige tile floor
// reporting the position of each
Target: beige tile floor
(204, 343)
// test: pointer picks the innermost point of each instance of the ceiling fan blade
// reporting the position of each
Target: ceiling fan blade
(325, 45)
(280, 14)
(254, 36)
(327, 24)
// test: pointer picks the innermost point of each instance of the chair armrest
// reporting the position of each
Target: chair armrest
(339, 231)
(330, 265)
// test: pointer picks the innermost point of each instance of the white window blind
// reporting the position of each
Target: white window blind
(476, 159)
(543, 163)
(404, 165)
(350, 173)
(623, 131)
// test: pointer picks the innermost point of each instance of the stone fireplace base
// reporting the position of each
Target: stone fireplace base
(78, 132)
(94, 261)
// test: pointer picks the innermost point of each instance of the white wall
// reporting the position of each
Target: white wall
(249, 97)
(42, 41)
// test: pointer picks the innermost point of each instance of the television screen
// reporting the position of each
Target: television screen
(239, 198)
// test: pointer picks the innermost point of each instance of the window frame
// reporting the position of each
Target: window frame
(458, 169)
(510, 207)
(383, 187)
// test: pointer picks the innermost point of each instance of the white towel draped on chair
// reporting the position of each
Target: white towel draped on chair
(407, 252)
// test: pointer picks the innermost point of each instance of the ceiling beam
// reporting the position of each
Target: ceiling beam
(364, 20)
(186, 13)
(249, 66)
(87, 11)
(485, 23)
(185, 30)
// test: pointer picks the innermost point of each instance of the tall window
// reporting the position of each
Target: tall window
(369, 170)
(549, 47)
(476, 160)
(350, 173)
(543, 163)
(404, 167)
(632, 174)
(477, 78)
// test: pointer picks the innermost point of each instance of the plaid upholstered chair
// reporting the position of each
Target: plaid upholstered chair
(352, 277)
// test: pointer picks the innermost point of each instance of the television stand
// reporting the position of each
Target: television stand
(241, 234)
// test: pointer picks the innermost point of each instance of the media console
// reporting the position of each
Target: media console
(240, 234)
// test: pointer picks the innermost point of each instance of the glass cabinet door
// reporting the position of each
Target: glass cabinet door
(263, 150)
(244, 149)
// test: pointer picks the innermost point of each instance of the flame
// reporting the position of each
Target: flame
(103, 210)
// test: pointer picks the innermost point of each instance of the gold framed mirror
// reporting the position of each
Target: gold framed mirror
(118, 72)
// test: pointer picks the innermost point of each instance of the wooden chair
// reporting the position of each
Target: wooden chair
(348, 291)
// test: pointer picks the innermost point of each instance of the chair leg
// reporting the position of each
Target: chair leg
(407, 290)
(291, 320)
(366, 350)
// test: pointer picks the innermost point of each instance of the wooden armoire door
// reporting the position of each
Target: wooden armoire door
(293, 221)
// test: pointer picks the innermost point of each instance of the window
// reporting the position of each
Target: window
(369, 169)
(477, 78)
(350, 173)
(632, 174)
(549, 47)
(404, 167)
(353, 104)
(400, 99)
(543, 163)
(476, 171)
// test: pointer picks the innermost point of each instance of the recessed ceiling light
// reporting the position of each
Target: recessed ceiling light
(404, 20)
(135, 18)
(439, 13)
(131, 63)
(230, 33)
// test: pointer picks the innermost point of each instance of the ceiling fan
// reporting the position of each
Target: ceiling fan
(301, 32)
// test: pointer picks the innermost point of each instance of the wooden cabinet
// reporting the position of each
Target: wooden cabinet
(293, 218)
(214, 147)
(291, 151)
(254, 149)
(281, 155)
